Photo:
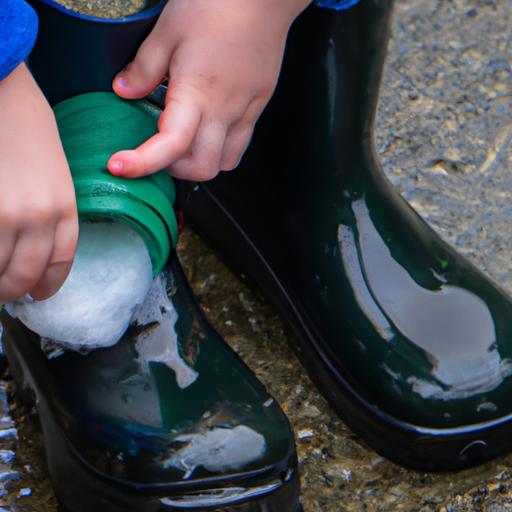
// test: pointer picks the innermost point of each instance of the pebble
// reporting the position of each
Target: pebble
(305, 434)
(23, 493)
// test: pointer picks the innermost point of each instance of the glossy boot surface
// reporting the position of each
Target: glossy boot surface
(411, 344)
(158, 423)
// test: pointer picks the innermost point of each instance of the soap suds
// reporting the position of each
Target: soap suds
(160, 344)
(218, 450)
(110, 277)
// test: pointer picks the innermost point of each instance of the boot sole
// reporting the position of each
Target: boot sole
(413, 446)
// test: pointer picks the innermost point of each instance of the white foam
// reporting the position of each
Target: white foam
(218, 449)
(160, 343)
(110, 277)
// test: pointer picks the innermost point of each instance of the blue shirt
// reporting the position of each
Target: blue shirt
(337, 5)
(18, 31)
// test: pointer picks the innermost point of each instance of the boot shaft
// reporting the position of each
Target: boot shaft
(333, 69)
(76, 53)
(315, 139)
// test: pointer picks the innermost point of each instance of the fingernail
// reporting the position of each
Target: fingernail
(121, 80)
(28, 298)
(116, 167)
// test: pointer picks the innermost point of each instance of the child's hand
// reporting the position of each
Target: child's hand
(222, 58)
(38, 219)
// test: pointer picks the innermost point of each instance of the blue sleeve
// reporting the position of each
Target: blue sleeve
(337, 5)
(18, 31)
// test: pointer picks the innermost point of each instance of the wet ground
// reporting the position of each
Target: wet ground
(445, 137)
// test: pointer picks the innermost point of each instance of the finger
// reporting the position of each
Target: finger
(237, 141)
(7, 244)
(203, 162)
(240, 134)
(148, 69)
(66, 238)
(178, 126)
(27, 264)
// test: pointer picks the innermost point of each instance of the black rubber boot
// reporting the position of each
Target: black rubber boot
(126, 429)
(409, 342)
(162, 421)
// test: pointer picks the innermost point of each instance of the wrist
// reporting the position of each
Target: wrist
(21, 99)
(14, 88)
(280, 12)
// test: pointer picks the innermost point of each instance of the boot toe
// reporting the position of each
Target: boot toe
(155, 423)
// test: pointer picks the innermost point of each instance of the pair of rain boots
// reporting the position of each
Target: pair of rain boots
(402, 335)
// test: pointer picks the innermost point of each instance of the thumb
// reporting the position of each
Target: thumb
(146, 71)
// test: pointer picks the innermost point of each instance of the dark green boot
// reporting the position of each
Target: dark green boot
(158, 423)
(409, 342)
(169, 418)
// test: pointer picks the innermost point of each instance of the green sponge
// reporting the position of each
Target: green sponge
(92, 127)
